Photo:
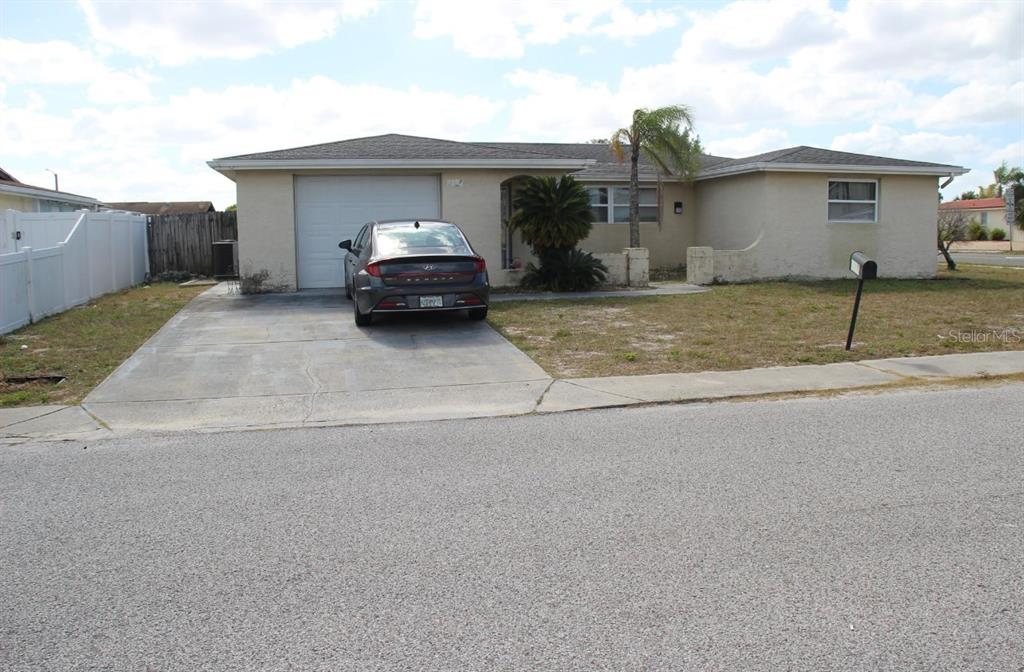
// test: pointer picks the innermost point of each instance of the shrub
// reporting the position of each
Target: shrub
(998, 234)
(175, 276)
(566, 271)
(259, 282)
(553, 215)
(975, 231)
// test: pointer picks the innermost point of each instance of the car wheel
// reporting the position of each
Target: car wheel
(477, 313)
(362, 319)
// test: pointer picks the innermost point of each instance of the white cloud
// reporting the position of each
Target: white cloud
(965, 150)
(804, 63)
(922, 145)
(158, 151)
(503, 28)
(1012, 154)
(180, 32)
(561, 108)
(762, 140)
(976, 102)
(62, 63)
(760, 29)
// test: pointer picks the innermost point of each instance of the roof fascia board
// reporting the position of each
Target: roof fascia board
(278, 164)
(831, 168)
(46, 194)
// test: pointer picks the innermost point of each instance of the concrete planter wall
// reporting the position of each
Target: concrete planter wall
(629, 268)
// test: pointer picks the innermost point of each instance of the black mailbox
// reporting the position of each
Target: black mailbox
(863, 266)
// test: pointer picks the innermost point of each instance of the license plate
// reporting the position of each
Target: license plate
(431, 302)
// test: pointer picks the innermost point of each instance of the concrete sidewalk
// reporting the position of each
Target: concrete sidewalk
(446, 402)
(654, 289)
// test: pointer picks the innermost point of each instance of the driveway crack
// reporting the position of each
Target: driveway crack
(317, 388)
(540, 399)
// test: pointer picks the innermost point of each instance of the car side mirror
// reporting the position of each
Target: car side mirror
(346, 245)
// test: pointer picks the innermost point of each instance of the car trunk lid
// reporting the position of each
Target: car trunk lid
(428, 270)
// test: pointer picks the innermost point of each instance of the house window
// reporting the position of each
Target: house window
(610, 205)
(984, 219)
(853, 200)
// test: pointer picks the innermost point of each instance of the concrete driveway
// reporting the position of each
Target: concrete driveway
(297, 359)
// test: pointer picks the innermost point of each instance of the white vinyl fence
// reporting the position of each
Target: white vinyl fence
(63, 259)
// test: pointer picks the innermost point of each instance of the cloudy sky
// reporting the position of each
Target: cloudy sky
(128, 100)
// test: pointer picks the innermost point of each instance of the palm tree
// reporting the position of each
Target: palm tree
(665, 136)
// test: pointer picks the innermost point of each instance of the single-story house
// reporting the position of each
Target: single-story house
(16, 195)
(164, 207)
(989, 212)
(796, 212)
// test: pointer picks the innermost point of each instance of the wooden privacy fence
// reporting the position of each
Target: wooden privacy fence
(185, 242)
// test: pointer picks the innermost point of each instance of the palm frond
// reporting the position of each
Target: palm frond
(616, 142)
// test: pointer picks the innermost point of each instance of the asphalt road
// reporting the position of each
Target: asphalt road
(988, 259)
(858, 533)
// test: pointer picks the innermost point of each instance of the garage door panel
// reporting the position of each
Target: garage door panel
(332, 208)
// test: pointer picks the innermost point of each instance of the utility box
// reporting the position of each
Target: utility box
(225, 259)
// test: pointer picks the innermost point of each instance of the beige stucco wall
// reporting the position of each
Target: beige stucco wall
(729, 212)
(266, 216)
(472, 199)
(266, 224)
(19, 203)
(667, 240)
(781, 219)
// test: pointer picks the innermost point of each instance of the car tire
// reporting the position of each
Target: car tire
(362, 319)
(478, 313)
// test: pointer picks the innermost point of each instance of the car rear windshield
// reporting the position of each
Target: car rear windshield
(429, 237)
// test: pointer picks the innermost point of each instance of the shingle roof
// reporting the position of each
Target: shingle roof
(17, 187)
(164, 208)
(822, 157)
(608, 167)
(603, 165)
(7, 177)
(973, 204)
(395, 146)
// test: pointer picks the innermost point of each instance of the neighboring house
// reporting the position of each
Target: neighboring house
(991, 213)
(795, 212)
(16, 195)
(165, 208)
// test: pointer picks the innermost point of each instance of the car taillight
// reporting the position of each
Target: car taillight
(480, 265)
(373, 269)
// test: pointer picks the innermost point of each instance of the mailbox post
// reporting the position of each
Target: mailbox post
(864, 268)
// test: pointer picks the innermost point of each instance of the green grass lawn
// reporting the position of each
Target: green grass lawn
(85, 344)
(976, 308)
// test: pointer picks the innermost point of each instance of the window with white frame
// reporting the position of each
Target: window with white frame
(611, 204)
(852, 200)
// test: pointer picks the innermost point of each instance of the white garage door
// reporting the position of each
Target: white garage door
(329, 209)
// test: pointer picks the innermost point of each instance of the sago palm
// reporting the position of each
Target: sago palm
(665, 136)
(552, 213)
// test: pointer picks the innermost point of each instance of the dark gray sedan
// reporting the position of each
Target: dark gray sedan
(406, 266)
